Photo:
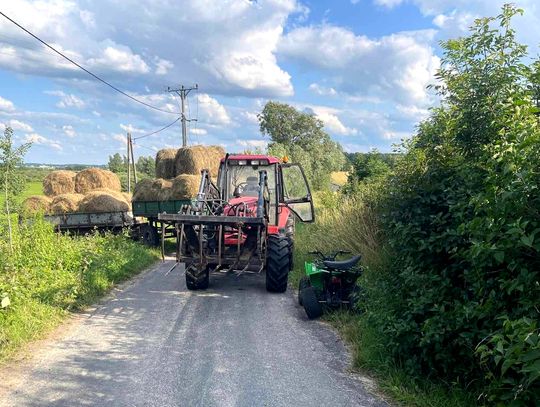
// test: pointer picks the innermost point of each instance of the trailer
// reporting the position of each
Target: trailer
(86, 222)
(147, 228)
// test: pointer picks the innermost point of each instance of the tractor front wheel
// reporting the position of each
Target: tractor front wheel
(277, 263)
(198, 280)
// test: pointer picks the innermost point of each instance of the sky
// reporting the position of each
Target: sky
(361, 66)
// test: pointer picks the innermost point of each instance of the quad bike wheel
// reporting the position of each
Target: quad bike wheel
(198, 280)
(311, 304)
(277, 263)
(304, 283)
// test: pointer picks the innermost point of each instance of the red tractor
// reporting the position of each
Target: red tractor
(244, 222)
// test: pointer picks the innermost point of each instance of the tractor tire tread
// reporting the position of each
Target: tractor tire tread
(277, 264)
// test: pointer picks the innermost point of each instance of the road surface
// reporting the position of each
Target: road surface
(154, 343)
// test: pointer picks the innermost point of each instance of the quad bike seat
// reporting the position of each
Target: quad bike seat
(343, 264)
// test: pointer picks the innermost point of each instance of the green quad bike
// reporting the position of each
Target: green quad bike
(329, 283)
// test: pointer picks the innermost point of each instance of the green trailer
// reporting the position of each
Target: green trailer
(150, 230)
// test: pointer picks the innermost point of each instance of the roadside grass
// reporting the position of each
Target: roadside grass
(32, 188)
(50, 275)
(352, 226)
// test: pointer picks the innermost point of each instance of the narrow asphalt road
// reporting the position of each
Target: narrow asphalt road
(157, 344)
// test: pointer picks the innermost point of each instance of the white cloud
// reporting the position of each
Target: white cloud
(388, 3)
(198, 132)
(129, 128)
(321, 90)
(69, 131)
(163, 66)
(250, 117)
(331, 121)
(67, 100)
(230, 47)
(252, 143)
(121, 58)
(19, 125)
(396, 67)
(211, 111)
(6, 105)
(38, 139)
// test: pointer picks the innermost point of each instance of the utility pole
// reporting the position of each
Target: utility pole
(128, 144)
(183, 92)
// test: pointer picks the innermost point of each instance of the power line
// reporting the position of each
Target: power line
(157, 131)
(84, 69)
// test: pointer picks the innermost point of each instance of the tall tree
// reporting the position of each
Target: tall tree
(146, 165)
(11, 159)
(117, 163)
(301, 136)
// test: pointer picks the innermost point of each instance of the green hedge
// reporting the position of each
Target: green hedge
(48, 274)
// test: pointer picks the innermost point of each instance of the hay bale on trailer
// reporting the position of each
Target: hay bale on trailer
(193, 159)
(101, 201)
(36, 204)
(93, 179)
(65, 203)
(152, 190)
(165, 163)
(59, 182)
(185, 186)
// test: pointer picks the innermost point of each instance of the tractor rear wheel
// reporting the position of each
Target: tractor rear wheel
(304, 283)
(277, 263)
(198, 280)
(312, 306)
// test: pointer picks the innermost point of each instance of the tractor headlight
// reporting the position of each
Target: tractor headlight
(255, 162)
(242, 162)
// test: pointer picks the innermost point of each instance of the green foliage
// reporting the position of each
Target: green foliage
(453, 268)
(117, 163)
(460, 225)
(366, 168)
(511, 358)
(301, 137)
(146, 165)
(50, 273)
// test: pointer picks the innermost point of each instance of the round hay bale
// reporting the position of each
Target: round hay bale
(152, 190)
(103, 201)
(128, 197)
(193, 159)
(59, 182)
(165, 163)
(185, 186)
(93, 179)
(65, 203)
(37, 204)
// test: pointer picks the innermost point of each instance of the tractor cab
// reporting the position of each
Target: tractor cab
(286, 187)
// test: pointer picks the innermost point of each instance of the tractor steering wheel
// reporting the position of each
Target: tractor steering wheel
(239, 189)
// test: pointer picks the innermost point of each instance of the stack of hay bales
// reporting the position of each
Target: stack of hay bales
(92, 190)
(178, 173)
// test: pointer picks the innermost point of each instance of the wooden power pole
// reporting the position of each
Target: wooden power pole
(183, 92)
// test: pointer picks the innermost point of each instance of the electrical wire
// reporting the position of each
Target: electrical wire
(157, 131)
(84, 69)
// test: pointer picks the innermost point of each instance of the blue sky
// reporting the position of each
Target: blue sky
(361, 66)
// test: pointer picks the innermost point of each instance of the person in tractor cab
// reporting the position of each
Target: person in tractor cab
(249, 188)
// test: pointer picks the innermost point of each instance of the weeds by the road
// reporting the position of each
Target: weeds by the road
(350, 225)
(50, 274)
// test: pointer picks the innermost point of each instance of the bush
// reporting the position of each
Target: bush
(460, 222)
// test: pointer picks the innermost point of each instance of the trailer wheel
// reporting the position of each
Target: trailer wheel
(198, 280)
(312, 306)
(304, 283)
(277, 263)
(148, 235)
